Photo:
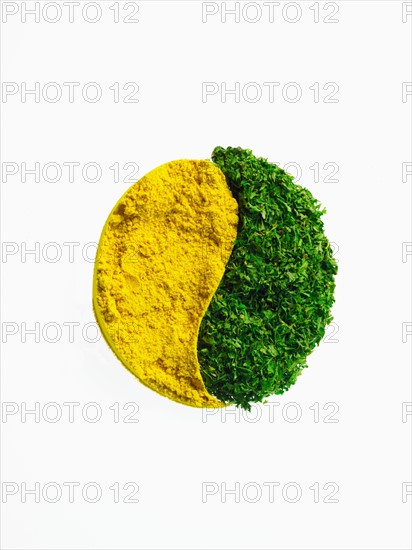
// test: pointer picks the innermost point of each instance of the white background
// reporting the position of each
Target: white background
(172, 450)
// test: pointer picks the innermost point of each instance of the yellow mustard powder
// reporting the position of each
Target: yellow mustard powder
(161, 256)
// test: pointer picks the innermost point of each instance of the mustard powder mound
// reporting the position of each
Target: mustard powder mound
(161, 256)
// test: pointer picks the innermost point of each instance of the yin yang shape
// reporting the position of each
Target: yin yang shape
(214, 281)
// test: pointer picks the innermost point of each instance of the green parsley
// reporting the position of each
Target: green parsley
(274, 301)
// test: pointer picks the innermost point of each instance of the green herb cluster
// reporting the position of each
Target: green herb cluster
(274, 301)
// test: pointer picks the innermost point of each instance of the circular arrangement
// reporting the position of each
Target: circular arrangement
(214, 280)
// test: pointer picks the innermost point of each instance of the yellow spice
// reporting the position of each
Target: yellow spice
(161, 256)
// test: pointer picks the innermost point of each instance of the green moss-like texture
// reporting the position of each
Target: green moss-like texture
(274, 301)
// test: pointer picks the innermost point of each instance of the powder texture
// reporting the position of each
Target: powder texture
(161, 256)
